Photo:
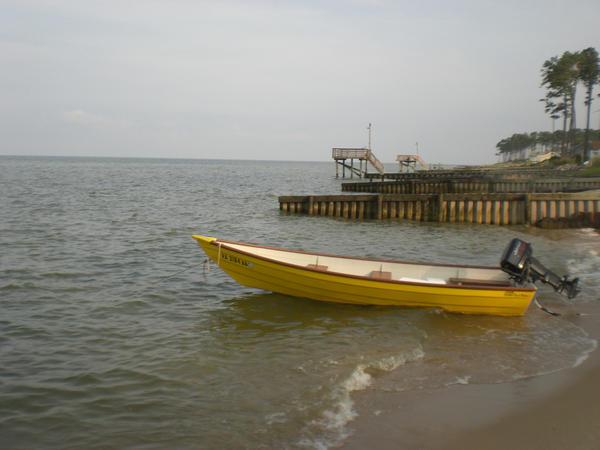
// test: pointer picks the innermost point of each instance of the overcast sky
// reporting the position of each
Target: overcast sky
(280, 80)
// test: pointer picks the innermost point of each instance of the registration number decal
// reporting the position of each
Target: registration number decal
(236, 260)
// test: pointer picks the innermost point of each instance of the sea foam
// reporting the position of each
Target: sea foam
(335, 420)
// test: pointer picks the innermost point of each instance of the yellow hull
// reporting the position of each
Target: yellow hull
(298, 281)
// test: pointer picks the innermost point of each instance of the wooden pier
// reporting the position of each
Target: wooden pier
(469, 172)
(494, 209)
(341, 156)
(458, 185)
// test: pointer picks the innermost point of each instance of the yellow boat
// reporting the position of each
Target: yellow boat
(364, 281)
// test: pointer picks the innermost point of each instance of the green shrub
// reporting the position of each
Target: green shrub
(592, 169)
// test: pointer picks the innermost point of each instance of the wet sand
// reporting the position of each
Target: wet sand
(555, 411)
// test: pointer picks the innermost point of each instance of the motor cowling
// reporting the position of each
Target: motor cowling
(517, 260)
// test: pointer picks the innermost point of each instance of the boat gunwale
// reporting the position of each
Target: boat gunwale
(223, 243)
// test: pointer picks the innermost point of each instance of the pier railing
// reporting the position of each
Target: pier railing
(349, 153)
(340, 155)
(375, 162)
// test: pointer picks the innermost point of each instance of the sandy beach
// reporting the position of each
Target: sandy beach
(555, 411)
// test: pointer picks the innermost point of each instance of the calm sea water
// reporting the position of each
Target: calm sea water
(113, 332)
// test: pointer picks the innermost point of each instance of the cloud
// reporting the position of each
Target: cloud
(92, 120)
(238, 78)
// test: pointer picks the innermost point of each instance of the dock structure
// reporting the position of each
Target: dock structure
(470, 172)
(493, 209)
(408, 163)
(476, 185)
(341, 156)
(480, 195)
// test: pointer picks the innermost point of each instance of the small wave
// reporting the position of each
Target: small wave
(276, 417)
(585, 346)
(60, 275)
(358, 381)
(586, 267)
(11, 286)
(82, 379)
(335, 420)
(133, 303)
(586, 263)
(11, 271)
(586, 355)
(362, 376)
(28, 285)
(460, 380)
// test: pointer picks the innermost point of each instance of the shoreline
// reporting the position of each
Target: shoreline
(557, 410)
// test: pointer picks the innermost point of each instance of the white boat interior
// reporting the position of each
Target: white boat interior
(382, 270)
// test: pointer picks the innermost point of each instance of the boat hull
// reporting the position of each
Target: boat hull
(262, 273)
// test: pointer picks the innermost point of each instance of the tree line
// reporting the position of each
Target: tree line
(561, 75)
(545, 141)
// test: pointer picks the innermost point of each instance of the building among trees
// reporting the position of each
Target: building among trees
(541, 145)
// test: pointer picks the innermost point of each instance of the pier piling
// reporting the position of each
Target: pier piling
(493, 209)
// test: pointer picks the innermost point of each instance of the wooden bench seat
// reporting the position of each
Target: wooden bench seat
(379, 275)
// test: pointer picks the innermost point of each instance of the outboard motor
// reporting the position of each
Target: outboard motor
(518, 262)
